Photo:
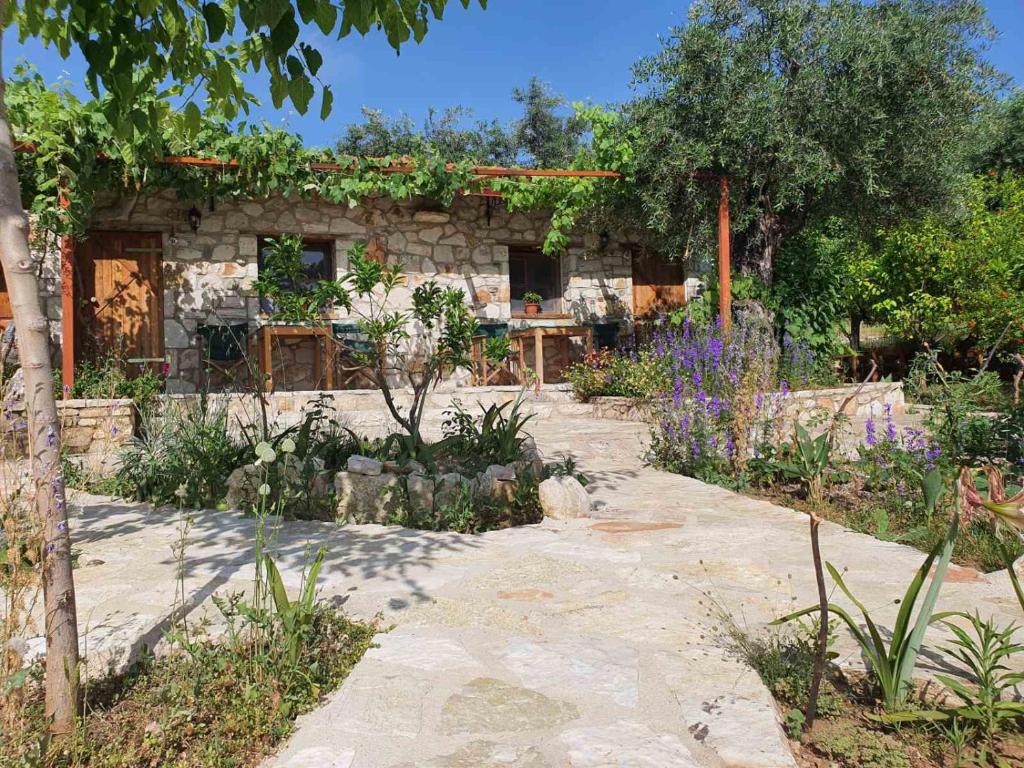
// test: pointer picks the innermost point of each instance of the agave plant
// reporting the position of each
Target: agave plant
(892, 663)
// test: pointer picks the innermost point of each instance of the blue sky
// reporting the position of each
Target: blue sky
(583, 48)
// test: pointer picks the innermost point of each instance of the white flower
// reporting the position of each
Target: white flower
(264, 490)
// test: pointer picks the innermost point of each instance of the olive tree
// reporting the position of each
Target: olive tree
(844, 108)
(187, 50)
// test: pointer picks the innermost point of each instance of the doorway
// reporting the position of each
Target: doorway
(120, 301)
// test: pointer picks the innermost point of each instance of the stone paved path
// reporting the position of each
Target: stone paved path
(585, 644)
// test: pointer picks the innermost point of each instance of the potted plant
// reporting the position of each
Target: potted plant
(531, 302)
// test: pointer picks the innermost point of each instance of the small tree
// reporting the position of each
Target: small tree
(443, 343)
(847, 108)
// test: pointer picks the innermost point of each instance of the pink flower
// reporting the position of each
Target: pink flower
(1003, 512)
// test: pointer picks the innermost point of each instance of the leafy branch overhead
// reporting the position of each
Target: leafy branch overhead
(193, 43)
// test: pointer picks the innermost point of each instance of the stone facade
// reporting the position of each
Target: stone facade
(208, 275)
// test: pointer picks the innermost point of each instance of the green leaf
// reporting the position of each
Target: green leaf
(313, 58)
(193, 118)
(933, 486)
(216, 21)
(277, 589)
(300, 91)
(284, 34)
(326, 103)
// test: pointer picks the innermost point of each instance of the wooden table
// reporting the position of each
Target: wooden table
(266, 334)
(540, 332)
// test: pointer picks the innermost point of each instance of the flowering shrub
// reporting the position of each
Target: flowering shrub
(723, 399)
(896, 460)
(603, 372)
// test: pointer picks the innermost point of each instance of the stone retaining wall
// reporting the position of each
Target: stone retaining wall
(801, 404)
(95, 429)
(364, 410)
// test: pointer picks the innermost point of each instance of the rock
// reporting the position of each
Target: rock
(497, 482)
(364, 465)
(243, 487)
(502, 472)
(421, 492)
(409, 468)
(486, 705)
(563, 498)
(431, 217)
(363, 498)
(448, 487)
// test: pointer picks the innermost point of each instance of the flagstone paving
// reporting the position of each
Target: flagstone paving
(588, 643)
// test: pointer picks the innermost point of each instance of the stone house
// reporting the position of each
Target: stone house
(156, 273)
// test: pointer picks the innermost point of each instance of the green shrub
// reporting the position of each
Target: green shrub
(188, 448)
(606, 373)
(108, 378)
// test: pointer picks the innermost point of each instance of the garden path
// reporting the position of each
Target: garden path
(584, 643)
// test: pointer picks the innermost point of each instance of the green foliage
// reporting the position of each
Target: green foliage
(807, 459)
(738, 90)
(189, 447)
(531, 297)
(71, 135)
(607, 373)
(465, 511)
(297, 616)
(440, 313)
(784, 660)
(956, 281)
(548, 139)
(494, 438)
(108, 378)
(442, 136)
(999, 141)
(855, 747)
(285, 284)
(925, 383)
(814, 287)
(892, 662)
(990, 706)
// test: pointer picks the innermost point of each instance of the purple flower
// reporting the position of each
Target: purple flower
(870, 439)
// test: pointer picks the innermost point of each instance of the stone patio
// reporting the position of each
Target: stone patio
(584, 643)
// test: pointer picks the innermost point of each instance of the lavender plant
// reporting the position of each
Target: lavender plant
(724, 400)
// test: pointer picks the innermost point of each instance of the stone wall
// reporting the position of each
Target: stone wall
(364, 411)
(804, 405)
(208, 275)
(93, 429)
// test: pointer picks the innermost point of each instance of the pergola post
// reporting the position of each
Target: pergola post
(67, 307)
(724, 256)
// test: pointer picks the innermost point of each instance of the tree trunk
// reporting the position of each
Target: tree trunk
(33, 340)
(855, 324)
(758, 259)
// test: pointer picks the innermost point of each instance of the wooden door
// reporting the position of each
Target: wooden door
(120, 303)
(658, 285)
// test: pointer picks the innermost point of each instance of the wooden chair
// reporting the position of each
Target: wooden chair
(486, 372)
(223, 348)
(350, 345)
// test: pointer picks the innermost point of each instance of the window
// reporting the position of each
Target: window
(317, 263)
(531, 270)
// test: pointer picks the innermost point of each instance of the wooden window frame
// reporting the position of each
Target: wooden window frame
(328, 272)
(554, 291)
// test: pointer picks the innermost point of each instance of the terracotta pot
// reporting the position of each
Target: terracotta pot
(532, 308)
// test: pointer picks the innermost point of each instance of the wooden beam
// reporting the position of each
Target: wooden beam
(724, 256)
(67, 308)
